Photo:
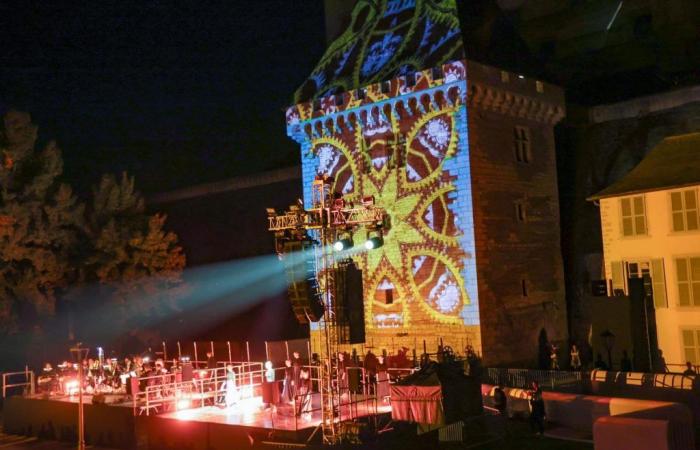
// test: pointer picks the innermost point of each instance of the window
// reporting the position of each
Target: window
(634, 221)
(522, 144)
(539, 86)
(505, 76)
(651, 271)
(520, 211)
(691, 345)
(388, 296)
(658, 282)
(688, 279)
(684, 210)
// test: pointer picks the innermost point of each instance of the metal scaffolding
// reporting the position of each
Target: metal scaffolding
(329, 218)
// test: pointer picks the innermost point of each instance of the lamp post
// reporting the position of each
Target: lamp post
(80, 353)
(609, 342)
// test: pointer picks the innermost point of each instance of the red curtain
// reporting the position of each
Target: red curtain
(421, 404)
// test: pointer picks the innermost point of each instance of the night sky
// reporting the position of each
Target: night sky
(176, 95)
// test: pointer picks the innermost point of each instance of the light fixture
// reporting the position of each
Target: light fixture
(343, 244)
(374, 242)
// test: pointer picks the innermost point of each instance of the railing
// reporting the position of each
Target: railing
(547, 379)
(166, 392)
(9, 382)
(680, 368)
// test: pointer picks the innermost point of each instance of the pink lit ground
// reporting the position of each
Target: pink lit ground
(251, 413)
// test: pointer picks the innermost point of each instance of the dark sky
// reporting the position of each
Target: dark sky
(176, 95)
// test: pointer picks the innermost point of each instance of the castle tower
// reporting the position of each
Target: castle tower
(462, 157)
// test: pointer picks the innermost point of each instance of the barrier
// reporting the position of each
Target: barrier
(27, 383)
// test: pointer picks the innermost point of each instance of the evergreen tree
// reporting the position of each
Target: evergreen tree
(112, 255)
(137, 264)
(40, 223)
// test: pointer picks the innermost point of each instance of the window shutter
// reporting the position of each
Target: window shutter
(618, 276)
(658, 280)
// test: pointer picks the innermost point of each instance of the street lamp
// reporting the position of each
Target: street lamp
(609, 342)
(80, 353)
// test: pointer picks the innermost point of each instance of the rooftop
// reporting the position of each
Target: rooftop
(673, 163)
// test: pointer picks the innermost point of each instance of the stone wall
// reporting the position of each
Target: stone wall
(521, 284)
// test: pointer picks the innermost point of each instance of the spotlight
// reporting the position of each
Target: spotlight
(342, 244)
(374, 242)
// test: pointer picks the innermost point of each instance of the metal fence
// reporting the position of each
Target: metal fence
(547, 379)
(18, 382)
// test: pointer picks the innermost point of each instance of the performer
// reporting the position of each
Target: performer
(297, 364)
(288, 383)
(269, 386)
(382, 379)
(342, 374)
(304, 393)
(231, 396)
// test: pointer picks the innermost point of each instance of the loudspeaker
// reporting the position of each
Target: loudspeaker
(349, 301)
(303, 292)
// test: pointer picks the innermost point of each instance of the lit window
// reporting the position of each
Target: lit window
(520, 211)
(522, 144)
(684, 210)
(691, 345)
(505, 76)
(688, 279)
(634, 221)
(539, 86)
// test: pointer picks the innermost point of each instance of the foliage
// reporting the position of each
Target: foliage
(52, 247)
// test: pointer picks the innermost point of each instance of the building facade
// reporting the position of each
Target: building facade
(651, 230)
(462, 157)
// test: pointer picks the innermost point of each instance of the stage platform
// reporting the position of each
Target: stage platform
(209, 427)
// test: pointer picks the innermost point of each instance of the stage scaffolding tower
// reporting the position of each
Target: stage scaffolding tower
(328, 219)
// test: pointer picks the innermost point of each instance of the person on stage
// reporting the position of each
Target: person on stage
(304, 395)
(231, 396)
(288, 383)
(382, 379)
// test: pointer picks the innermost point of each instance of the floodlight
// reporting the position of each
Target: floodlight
(374, 242)
(342, 244)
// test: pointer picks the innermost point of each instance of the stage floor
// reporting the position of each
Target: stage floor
(251, 413)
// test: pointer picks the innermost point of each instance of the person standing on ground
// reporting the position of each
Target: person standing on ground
(554, 358)
(537, 412)
(500, 400)
(575, 358)
(689, 371)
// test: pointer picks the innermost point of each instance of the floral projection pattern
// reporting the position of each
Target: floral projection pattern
(407, 147)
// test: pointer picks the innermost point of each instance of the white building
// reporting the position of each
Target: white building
(651, 229)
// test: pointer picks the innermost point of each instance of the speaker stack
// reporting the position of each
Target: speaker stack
(302, 290)
(349, 302)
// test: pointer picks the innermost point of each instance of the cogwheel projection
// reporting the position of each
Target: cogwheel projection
(407, 147)
(384, 114)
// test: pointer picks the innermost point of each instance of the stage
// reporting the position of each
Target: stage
(114, 424)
